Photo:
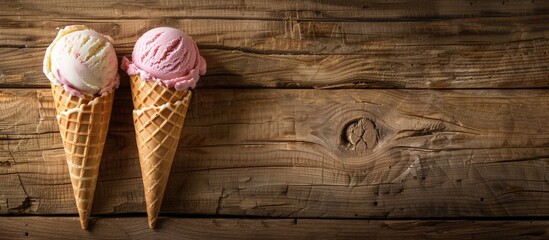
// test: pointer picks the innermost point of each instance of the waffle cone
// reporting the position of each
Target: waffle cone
(158, 116)
(149, 93)
(83, 123)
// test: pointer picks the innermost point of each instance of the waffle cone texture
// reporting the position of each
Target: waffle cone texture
(158, 116)
(83, 124)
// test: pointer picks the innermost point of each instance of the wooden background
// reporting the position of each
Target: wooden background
(316, 119)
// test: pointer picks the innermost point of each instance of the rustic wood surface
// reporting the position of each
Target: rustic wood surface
(455, 127)
(204, 228)
(327, 10)
(306, 44)
(303, 153)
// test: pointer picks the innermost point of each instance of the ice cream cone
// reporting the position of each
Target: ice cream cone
(158, 116)
(83, 123)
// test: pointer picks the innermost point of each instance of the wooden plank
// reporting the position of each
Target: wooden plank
(429, 52)
(226, 69)
(298, 36)
(284, 9)
(219, 228)
(405, 56)
(303, 153)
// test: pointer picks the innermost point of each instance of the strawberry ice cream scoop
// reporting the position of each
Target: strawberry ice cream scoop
(168, 56)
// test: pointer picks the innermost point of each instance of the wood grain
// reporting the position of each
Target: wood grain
(303, 153)
(465, 136)
(411, 46)
(219, 228)
(236, 69)
(296, 36)
(326, 10)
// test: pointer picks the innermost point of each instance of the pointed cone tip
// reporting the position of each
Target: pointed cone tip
(152, 223)
(84, 223)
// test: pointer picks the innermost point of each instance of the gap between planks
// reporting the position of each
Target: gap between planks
(217, 228)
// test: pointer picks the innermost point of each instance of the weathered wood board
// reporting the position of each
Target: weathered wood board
(327, 10)
(210, 228)
(304, 44)
(315, 119)
(303, 153)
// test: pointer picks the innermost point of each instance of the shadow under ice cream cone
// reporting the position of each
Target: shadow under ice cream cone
(82, 67)
(166, 63)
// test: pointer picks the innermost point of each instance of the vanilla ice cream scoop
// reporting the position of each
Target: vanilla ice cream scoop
(82, 61)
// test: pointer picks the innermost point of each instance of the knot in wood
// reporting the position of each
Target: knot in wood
(360, 135)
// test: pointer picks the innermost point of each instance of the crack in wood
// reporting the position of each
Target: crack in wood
(219, 201)
(5, 164)
(25, 205)
(18, 173)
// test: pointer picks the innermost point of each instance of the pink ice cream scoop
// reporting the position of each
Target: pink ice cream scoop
(168, 56)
